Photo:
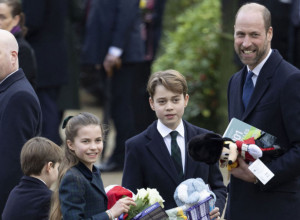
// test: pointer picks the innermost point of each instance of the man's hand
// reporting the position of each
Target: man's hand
(242, 172)
(111, 63)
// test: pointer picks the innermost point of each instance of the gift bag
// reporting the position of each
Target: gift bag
(201, 210)
(154, 212)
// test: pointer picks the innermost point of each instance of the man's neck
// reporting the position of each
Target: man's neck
(8, 75)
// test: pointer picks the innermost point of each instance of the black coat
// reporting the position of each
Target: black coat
(113, 23)
(274, 107)
(82, 194)
(45, 20)
(27, 60)
(28, 200)
(148, 164)
(20, 120)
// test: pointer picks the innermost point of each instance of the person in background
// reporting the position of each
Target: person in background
(40, 159)
(79, 192)
(157, 157)
(294, 34)
(69, 93)
(152, 17)
(113, 43)
(20, 114)
(265, 94)
(12, 19)
(45, 20)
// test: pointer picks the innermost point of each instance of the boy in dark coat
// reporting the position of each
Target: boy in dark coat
(155, 159)
(30, 199)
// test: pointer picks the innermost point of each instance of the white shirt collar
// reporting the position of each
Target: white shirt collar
(164, 130)
(38, 179)
(258, 68)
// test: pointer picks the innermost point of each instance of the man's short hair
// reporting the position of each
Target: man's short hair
(170, 79)
(266, 14)
(36, 153)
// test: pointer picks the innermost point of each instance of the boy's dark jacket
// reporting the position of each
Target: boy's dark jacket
(28, 200)
(149, 164)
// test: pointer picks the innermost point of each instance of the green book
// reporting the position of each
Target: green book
(239, 130)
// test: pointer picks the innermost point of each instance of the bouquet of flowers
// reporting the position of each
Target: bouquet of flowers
(144, 199)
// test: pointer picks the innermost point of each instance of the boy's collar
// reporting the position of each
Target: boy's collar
(38, 178)
(164, 130)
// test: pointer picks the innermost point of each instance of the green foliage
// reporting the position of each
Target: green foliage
(140, 206)
(193, 50)
(175, 8)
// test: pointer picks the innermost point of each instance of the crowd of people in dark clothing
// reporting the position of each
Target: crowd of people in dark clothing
(62, 48)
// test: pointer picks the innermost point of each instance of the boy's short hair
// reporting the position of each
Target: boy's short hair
(170, 79)
(37, 152)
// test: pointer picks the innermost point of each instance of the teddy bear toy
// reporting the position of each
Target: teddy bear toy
(191, 191)
(189, 195)
(211, 147)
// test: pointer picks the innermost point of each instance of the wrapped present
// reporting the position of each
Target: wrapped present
(144, 199)
(177, 213)
(201, 210)
(153, 212)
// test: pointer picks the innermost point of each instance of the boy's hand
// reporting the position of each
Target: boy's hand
(214, 214)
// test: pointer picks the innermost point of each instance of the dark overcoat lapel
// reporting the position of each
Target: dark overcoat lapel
(98, 185)
(12, 79)
(148, 164)
(237, 88)
(158, 149)
(263, 82)
(190, 165)
(262, 85)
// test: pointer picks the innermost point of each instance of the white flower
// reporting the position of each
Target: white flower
(143, 199)
(155, 197)
(142, 194)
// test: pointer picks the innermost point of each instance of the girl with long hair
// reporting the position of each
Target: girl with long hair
(79, 192)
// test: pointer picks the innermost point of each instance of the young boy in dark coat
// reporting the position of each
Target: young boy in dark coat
(150, 159)
(40, 159)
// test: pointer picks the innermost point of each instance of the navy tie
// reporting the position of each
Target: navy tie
(248, 88)
(176, 153)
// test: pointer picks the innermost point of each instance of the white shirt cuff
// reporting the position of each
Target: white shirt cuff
(115, 51)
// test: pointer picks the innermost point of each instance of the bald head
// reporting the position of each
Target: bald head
(256, 8)
(8, 54)
(8, 40)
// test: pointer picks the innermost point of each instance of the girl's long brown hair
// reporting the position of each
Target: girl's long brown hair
(70, 159)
